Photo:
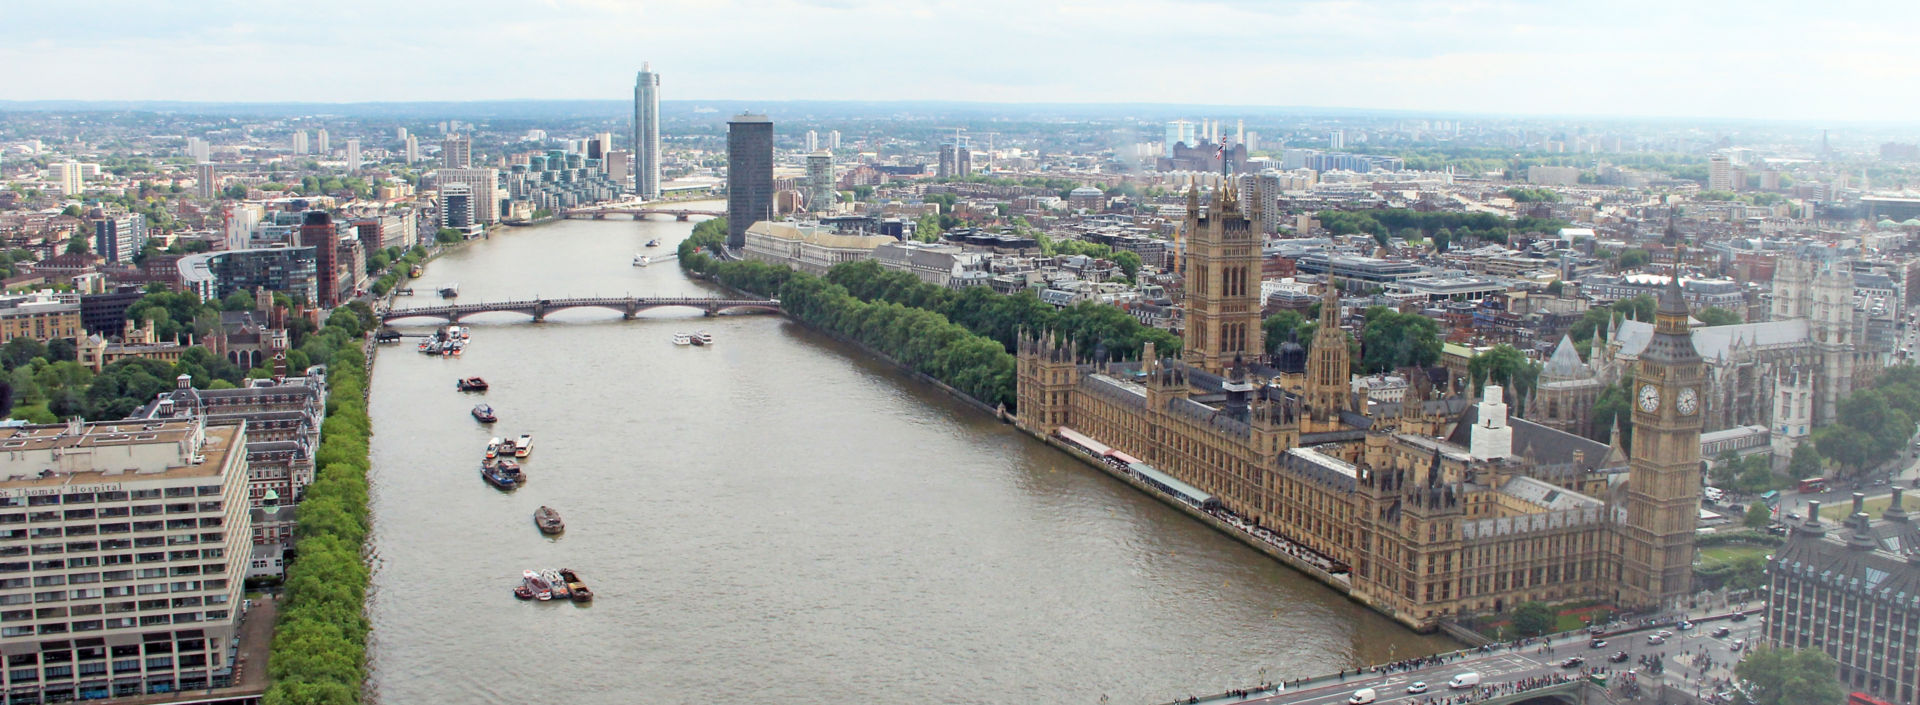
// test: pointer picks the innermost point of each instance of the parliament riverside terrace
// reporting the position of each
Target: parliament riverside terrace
(1428, 511)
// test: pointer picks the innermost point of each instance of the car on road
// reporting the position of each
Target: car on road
(1464, 680)
(1664, 634)
(1597, 644)
(1574, 662)
(1685, 625)
(1721, 633)
(1618, 657)
(1656, 639)
(1738, 617)
(1363, 696)
(1417, 687)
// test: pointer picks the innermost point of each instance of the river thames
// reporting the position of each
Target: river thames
(778, 519)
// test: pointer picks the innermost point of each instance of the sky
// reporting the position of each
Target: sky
(1836, 60)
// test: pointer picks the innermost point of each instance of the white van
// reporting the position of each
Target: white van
(1363, 696)
(1464, 681)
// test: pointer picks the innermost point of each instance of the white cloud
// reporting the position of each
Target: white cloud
(1834, 60)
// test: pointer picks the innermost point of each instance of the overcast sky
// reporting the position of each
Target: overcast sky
(1758, 59)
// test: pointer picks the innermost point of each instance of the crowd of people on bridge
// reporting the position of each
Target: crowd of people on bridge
(1494, 690)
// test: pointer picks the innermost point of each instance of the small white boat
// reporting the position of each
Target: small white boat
(641, 261)
(542, 590)
(493, 447)
(704, 337)
(524, 446)
(682, 339)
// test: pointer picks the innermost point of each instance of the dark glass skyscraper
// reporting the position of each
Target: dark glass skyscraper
(749, 175)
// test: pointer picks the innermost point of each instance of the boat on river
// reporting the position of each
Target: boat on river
(524, 446)
(484, 414)
(549, 521)
(559, 586)
(471, 384)
(703, 338)
(536, 587)
(654, 242)
(682, 339)
(576, 589)
(641, 260)
(450, 290)
(493, 447)
(498, 477)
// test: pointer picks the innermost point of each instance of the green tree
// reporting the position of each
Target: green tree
(1128, 261)
(1392, 340)
(1634, 258)
(1533, 619)
(1442, 239)
(1791, 677)
(1806, 462)
(1286, 327)
(1758, 515)
(237, 301)
(1716, 316)
(1639, 308)
(927, 228)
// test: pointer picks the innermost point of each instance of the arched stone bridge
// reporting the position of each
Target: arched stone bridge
(627, 306)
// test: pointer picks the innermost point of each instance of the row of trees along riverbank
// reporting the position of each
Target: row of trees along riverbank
(963, 337)
(320, 641)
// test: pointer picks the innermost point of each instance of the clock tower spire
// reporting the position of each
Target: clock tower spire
(1663, 485)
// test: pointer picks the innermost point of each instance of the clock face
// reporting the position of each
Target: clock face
(1688, 402)
(1649, 398)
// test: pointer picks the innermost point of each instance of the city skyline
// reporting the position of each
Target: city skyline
(1499, 57)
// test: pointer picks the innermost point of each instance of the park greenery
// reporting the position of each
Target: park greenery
(962, 337)
(1532, 195)
(1874, 423)
(320, 639)
(1779, 676)
(1444, 228)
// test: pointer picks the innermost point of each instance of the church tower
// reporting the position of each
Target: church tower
(1329, 388)
(1831, 323)
(1663, 485)
(1222, 283)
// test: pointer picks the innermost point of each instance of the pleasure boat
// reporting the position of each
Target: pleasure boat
(493, 447)
(524, 446)
(654, 242)
(542, 590)
(471, 384)
(484, 414)
(682, 339)
(703, 338)
(559, 586)
(641, 261)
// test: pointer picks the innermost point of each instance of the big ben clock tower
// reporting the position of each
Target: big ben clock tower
(1663, 487)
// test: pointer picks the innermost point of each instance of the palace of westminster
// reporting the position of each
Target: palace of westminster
(1434, 507)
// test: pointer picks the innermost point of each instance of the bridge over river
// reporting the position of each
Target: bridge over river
(627, 306)
(1572, 668)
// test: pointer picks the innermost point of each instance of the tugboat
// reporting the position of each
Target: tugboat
(484, 414)
(523, 447)
(682, 339)
(498, 477)
(493, 448)
(472, 384)
(549, 521)
(579, 590)
(654, 242)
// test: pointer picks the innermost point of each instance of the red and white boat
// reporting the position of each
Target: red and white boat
(541, 589)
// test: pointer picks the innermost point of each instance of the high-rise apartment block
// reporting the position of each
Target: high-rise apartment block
(456, 151)
(483, 184)
(833, 139)
(956, 159)
(318, 231)
(206, 183)
(116, 238)
(1337, 140)
(320, 142)
(619, 165)
(353, 155)
(413, 149)
(300, 145)
(646, 134)
(456, 206)
(749, 175)
(1719, 173)
(66, 176)
(140, 534)
(812, 142)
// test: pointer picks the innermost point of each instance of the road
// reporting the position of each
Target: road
(1510, 665)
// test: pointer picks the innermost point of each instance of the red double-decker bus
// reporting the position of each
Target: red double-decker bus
(1813, 485)
(1858, 698)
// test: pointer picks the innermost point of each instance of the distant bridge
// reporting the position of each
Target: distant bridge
(638, 212)
(627, 306)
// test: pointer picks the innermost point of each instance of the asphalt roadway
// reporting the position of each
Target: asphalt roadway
(1507, 664)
